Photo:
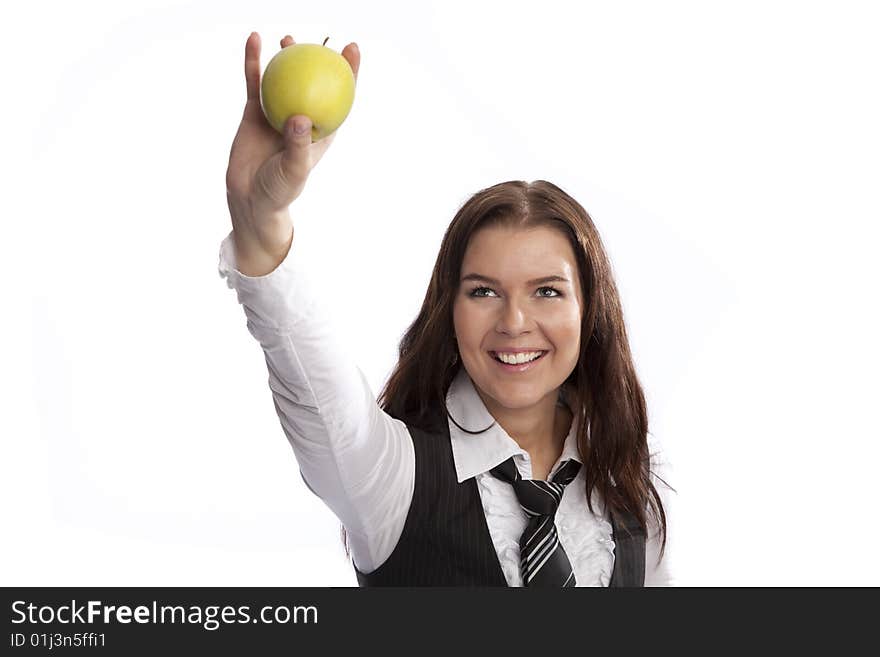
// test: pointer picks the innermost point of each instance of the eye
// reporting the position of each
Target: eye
(474, 292)
(556, 293)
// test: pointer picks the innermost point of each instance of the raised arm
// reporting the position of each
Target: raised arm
(351, 454)
(268, 171)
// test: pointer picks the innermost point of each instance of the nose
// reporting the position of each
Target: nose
(513, 318)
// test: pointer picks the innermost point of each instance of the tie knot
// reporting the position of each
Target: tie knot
(537, 498)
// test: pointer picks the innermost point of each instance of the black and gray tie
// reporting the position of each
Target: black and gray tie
(542, 557)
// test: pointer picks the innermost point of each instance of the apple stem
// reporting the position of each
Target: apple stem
(325, 41)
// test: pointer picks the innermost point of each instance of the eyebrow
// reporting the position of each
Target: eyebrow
(535, 281)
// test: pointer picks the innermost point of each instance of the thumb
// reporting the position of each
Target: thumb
(295, 157)
(298, 131)
(297, 139)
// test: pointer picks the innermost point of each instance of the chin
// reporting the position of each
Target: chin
(516, 399)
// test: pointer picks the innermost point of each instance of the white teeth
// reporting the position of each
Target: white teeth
(517, 359)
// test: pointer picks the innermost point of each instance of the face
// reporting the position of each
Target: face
(519, 291)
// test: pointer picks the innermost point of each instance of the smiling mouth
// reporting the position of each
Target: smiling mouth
(495, 357)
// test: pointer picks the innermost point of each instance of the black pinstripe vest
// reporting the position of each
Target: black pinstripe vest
(446, 541)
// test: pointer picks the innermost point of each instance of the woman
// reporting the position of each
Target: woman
(510, 444)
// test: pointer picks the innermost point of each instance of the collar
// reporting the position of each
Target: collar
(477, 453)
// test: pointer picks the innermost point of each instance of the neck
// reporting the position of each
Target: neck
(540, 429)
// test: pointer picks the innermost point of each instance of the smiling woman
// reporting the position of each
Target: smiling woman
(522, 312)
(510, 445)
(520, 329)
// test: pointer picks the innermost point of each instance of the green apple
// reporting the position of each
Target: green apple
(310, 79)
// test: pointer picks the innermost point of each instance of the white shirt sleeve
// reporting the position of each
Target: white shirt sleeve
(660, 572)
(355, 457)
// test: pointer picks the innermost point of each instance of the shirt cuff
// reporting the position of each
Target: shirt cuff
(275, 301)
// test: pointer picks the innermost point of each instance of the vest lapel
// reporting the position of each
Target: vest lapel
(629, 552)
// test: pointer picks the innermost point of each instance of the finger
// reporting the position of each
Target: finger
(295, 158)
(252, 66)
(353, 55)
(287, 41)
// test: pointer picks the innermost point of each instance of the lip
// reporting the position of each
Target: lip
(518, 350)
(522, 367)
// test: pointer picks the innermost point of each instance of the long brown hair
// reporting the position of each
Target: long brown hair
(606, 397)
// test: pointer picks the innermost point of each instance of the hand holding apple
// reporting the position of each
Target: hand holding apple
(268, 167)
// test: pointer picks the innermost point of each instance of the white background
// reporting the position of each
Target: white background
(728, 153)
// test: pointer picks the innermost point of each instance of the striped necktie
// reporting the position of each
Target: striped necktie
(542, 557)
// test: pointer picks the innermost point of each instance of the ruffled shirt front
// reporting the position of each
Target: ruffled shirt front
(585, 536)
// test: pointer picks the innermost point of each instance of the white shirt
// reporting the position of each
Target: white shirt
(361, 462)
